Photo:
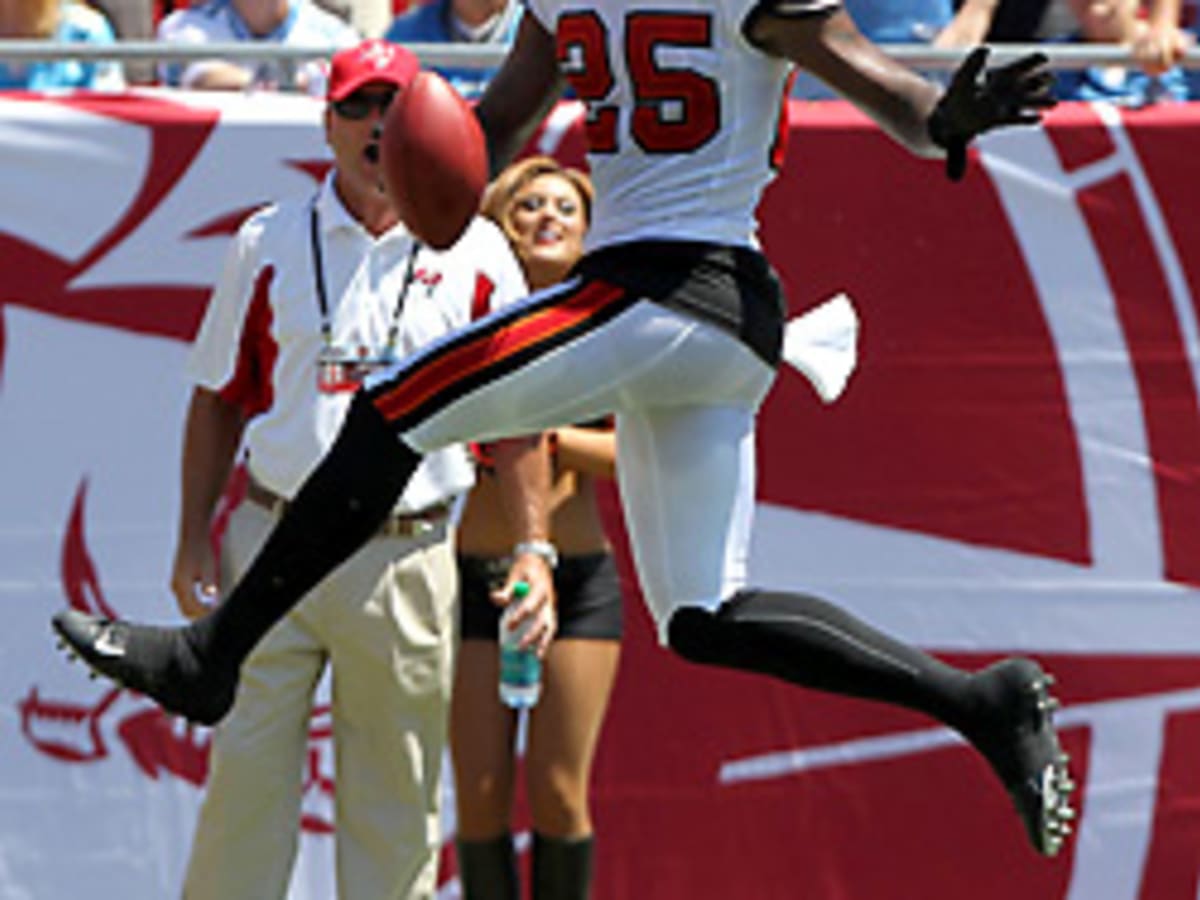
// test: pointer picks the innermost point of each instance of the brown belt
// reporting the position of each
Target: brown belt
(406, 525)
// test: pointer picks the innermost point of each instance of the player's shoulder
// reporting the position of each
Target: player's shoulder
(281, 223)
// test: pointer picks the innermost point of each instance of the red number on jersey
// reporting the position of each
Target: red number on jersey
(676, 110)
(582, 40)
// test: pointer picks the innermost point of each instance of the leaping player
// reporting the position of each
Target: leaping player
(673, 322)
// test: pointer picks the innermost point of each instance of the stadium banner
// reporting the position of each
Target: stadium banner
(1013, 468)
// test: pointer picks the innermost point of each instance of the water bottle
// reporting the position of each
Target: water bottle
(520, 670)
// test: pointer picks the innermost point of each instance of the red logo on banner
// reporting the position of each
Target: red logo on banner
(964, 434)
(74, 732)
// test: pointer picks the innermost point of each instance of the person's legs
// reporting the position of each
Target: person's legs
(687, 486)
(245, 840)
(564, 729)
(246, 833)
(562, 867)
(482, 733)
(388, 618)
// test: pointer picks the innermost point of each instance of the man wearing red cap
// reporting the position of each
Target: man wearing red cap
(314, 295)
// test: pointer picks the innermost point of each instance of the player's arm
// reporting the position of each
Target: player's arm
(521, 93)
(522, 471)
(907, 106)
(830, 46)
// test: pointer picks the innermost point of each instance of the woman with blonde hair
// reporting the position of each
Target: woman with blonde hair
(64, 21)
(545, 210)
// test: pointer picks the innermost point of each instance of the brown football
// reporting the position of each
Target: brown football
(433, 159)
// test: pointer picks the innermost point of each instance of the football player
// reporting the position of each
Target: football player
(673, 322)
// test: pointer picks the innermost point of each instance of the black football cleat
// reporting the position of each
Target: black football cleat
(1022, 745)
(157, 662)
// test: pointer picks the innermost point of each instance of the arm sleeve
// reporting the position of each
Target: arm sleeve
(213, 360)
(503, 269)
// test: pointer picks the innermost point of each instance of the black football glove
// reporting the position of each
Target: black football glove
(1013, 94)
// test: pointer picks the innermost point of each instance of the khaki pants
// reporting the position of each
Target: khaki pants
(385, 621)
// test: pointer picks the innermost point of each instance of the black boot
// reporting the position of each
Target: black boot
(192, 671)
(1004, 711)
(487, 870)
(562, 867)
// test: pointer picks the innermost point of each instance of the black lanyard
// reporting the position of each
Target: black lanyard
(314, 235)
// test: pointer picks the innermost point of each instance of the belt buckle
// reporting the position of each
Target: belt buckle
(395, 526)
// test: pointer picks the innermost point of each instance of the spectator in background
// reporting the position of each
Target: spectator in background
(370, 17)
(1017, 21)
(132, 20)
(1190, 21)
(288, 22)
(1159, 41)
(1152, 33)
(57, 20)
(318, 291)
(934, 22)
(545, 211)
(479, 22)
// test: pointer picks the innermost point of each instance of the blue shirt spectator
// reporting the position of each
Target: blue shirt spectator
(69, 22)
(1150, 30)
(449, 22)
(900, 21)
(935, 22)
(292, 22)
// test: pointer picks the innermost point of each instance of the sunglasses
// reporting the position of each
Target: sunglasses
(359, 105)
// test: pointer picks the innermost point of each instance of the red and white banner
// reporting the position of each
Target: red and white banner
(1013, 468)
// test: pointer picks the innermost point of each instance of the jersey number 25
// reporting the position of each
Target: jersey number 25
(676, 109)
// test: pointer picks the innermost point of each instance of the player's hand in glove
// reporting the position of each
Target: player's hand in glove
(1012, 94)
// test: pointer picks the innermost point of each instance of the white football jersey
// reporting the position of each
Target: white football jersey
(684, 116)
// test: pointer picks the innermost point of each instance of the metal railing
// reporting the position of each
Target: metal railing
(458, 55)
(921, 56)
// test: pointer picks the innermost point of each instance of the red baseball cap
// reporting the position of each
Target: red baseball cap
(370, 62)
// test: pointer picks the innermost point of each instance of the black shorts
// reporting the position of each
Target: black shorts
(731, 288)
(588, 588)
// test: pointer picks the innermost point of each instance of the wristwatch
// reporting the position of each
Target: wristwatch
(544, 549)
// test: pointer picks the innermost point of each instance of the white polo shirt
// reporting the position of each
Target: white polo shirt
(259, 343)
